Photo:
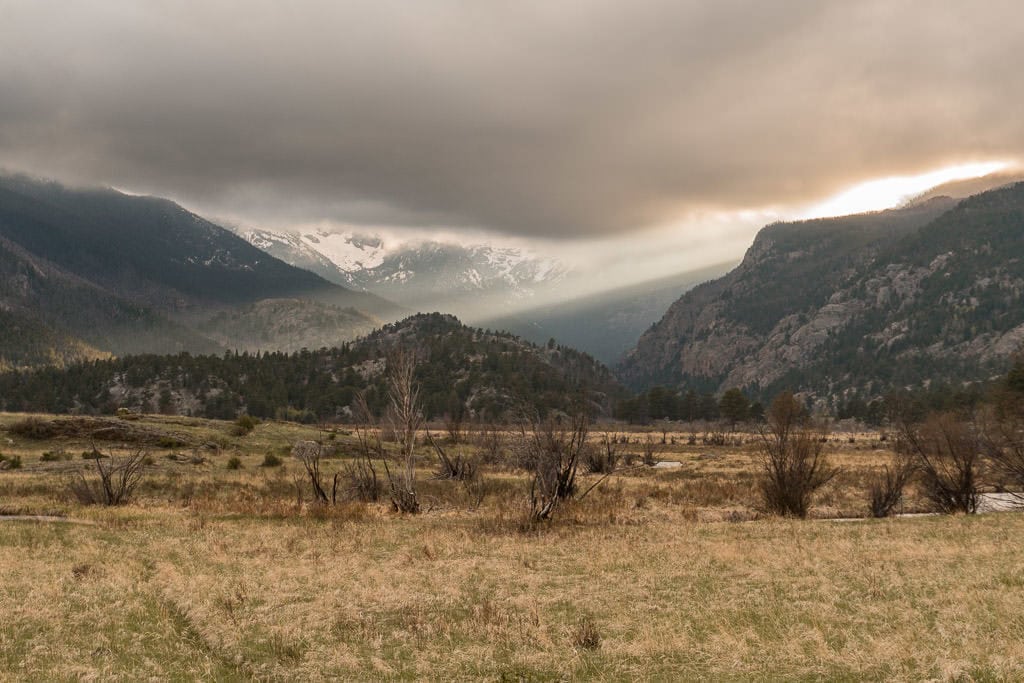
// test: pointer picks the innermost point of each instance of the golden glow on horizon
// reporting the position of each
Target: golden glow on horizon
(886, 193)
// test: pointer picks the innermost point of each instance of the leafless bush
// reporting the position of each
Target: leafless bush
(885, 488)
(1002, 436)
(309, 453)
(947, 452)
(649, 449)
(453, 425)
(490, 443)
(458, 467)
(116, 479)
(794, 466)
(554, 445)
(715, 437)
(406, 418)
(602, 458)
(361, 475)
(586, 635)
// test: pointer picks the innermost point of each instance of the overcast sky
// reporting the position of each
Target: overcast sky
(582, 121)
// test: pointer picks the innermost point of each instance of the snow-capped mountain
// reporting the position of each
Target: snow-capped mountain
(418, 275)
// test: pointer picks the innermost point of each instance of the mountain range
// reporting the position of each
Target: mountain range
(424, 275)
(93, 272)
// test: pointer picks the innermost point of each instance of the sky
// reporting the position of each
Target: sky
(658, 134)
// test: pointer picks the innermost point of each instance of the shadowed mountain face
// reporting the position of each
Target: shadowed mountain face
(103, 272)
(854, 306)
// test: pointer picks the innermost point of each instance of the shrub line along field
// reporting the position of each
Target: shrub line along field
(233, 572)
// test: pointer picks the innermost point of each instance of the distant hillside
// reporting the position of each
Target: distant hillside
(853, 307)
(461, 371)
(605, 325)
(123, 274)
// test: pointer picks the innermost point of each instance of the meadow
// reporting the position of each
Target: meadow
(221, 567)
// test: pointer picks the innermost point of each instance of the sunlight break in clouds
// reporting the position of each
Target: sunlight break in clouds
(886, 193)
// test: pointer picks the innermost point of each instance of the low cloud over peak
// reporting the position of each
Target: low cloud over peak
(561, 120)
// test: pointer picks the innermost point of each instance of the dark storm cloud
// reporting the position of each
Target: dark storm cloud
(537, 118)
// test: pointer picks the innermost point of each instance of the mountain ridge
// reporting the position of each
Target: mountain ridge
(852, 306)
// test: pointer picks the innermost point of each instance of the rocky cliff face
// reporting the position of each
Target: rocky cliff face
(853, 305)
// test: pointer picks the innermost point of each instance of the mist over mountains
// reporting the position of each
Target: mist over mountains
(840, 309)
(421, 274)
(88, 273)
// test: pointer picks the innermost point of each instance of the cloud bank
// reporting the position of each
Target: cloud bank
(563, 120)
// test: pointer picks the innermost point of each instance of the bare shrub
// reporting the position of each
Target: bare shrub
(885, 488)
(453, 426)
(1002, 436)
(458, 467)
(554, 445)
(603, 457)
(406, 418)
(309, 453)
(947, 452)
(649, 449)
(490, 443)
(361, 475)
(117, 476)
(586, 635)
(794, 466)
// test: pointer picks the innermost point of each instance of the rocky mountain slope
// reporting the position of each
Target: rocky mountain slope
(460, 371)
(98, 271)
(854, 306)
(420, 276)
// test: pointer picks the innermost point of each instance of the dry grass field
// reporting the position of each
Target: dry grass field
(212, 573)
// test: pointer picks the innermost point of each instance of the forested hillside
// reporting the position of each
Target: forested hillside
(461, 371)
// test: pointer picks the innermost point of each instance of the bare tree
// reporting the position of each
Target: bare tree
(116, 478)
(947, 451)
(794, 466)
(406, 419)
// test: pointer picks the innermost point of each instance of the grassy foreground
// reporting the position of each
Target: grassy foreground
(221, 575)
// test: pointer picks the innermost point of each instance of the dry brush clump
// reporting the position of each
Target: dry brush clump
(310, 454)
(1002, 441)
(554, 446)
(885, 488)
(604, 456)
(457, 466)
(947, 452)
(117, 477)
(794, 465)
